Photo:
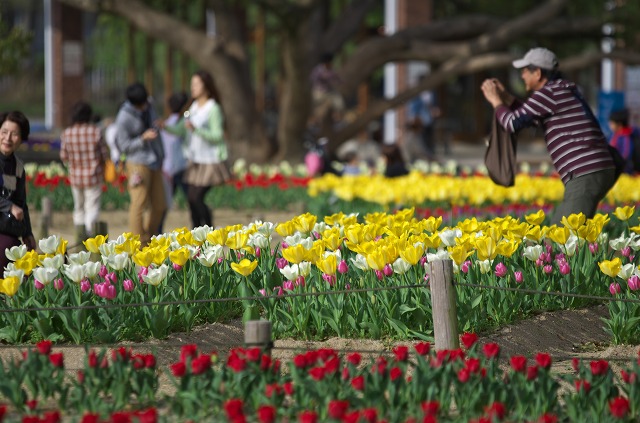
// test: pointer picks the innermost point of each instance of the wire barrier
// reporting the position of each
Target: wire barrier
(289, 294)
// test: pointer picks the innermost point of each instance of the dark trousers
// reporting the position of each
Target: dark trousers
(583, 193)
(200, 212)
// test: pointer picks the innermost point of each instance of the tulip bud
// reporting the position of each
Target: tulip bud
(615, 288)
(465, 266)
(501, 270)
(547, 269)
(58, 284)
(343, 267)
(387, 270)
(300, 281)
(593, 248)
(176, 267)
(634, 283)
(519, 276)
(85, 285)
(565, 268)
(379, 274)
(38, 284)
(103, 271)
(281, 262)
(128, 285)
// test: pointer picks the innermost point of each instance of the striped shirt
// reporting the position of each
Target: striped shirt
(573, 136)
(84, 151)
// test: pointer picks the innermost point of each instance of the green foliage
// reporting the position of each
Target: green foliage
(14, 47)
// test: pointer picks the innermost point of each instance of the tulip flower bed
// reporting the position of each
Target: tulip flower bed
(408, 384)
(335, 277)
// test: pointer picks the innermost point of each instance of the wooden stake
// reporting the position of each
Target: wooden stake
(257, 333)
(443, 304)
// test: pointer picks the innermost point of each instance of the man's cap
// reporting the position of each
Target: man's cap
(539, 57)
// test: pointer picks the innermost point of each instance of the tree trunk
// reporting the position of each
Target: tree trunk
(295, 100)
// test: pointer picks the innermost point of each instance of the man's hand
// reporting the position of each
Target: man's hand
(30, 242)
(149, 134)
(17, 212)
(492, 88)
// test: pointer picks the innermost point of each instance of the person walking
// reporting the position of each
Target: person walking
(207, 152)
(574, 140)
(421, 116)
(626, 139)
(175, 162)
(15, 222)
(84, 151)
(142, 146)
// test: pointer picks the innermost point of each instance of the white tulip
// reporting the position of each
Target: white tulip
(441, 254)
(81, 257)
(485, 266)
(75, 272)
(400, 266)
(533, 252)
(12, 271)
(304, 267)
(200, 233)
(626, 271)
(156, 275)
(54, 262)
(448, 236)
(118, 261)
(16, 253)
(45, 274)
(291, 272)
(49, 245)
(360, 262)
(91, 269)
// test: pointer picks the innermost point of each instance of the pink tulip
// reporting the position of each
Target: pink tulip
(111, 277)
(176, 267)
(58, 284)
(128, 285)
(300, 281)
(501, 270)
(519, 276)
(634, 283)
(564, 267)
(330, 279)
(465, 266)
(626, 251)
(279, 291)
(85, 285)
(593, 248)
(615, 288)
(263, 292)
(287, 285)
(258, 251)
(379, 274)
(284, 245)
(423, 261)
(547, 269)
(539, 262)
(343, 267)
(387, 270)
(38, 284)
(281, 262)
(103, 271)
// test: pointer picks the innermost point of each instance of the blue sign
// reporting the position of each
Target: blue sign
(607, 102)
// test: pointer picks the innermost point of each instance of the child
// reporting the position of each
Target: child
(623, 139)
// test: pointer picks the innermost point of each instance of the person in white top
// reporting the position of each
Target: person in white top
(203, 129)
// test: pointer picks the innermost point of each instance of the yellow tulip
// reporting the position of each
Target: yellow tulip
(486, 248)
(328, 265)
(611, 267)
(624, 213)
(315, 252)
(295, 254)
(535, 218)
(185, 238)
(179, 256)
(238, 241)
(332, 239)
(285, 229)
(354, 234)
(507, 248)
(28, 262)
(459, 254)
(218, 236)
(376, 260)
(131, 245)
(245, 267)
(304, 223)
(534, 233)
(335, 219)
(9, 286)
(574, 221)
(62, 247)
(590, 231)
(432, 223)
(559, 235)
(433, 241)
(143, 258)
(93, 244)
